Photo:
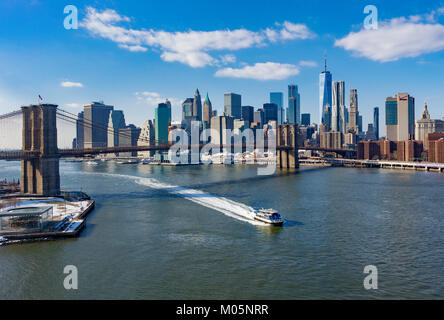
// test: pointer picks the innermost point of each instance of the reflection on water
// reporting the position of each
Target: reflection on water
(187, 232)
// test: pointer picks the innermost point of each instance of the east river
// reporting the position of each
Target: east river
(186, 233)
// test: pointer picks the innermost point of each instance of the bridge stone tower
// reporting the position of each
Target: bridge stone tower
(40, 174)
(287, 140)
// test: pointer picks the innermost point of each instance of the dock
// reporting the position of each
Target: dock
(68, 227)
(383, 164)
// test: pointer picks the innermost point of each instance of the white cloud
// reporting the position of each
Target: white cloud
(308, 63)
(191, 47)
(73, 105)
(136, 48)
(69, 84)
(292, 31)
(397, 38)
(228, 58)
(152, 99)
(261, 71)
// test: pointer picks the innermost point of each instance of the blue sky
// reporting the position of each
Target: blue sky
(131, 54)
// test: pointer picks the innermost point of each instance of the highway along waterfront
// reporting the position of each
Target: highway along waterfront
(161, 232)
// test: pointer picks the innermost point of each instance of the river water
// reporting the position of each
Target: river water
(186, 233)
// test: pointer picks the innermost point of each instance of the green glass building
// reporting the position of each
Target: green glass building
(161, 126)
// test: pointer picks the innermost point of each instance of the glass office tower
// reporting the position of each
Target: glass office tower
(325, 82)
(278, 99)
(294, 105)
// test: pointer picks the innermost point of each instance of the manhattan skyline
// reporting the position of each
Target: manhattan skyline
(268, 45)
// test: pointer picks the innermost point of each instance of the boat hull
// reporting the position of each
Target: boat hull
(275, 224)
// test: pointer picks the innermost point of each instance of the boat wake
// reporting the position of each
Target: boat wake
(226, 206)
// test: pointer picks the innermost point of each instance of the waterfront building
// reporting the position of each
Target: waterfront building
(128, 137)
(337, 107)
(146, 138)
(207, 111)
(376, 122)
(435, 147)
(248, 113)
(426, 125)
(270, 112)
(79, 132)
(353, 117)
(325, 97)
(294, 105)
(305, 119)
(400, 117)
(95, 123)
(197, 106)
(259, 117)
(408, 150)
(220, 124)
(168, 103)
(278, 99)
(232, 105)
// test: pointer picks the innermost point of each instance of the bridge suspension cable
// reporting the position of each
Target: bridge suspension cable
(73, 118)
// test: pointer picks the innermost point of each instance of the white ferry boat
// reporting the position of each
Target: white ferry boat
(269, 216)
(128, 161)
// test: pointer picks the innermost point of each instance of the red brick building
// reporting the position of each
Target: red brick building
(435, 146)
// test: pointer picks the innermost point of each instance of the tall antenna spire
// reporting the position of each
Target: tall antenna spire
(325, 61)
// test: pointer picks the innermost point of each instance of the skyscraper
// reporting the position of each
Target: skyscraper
(116, 121)
(128, 137)
(232, 105)
(207, 111)
(146, 138)
(325, 82)
(168, 103)
(305, 119)
(400, 117)
(248, 113)
(338, 107)
(353, 125)
(187, 109)
(376, 122)
(259, 116)
(359, 123)
(294, 105)
(79, 131)
(197, 106)
(270, 112)
(221, 124)
(278, 99)
(161, 124)
(95, 117)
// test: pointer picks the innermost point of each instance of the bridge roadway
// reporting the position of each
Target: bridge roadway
(68, 153)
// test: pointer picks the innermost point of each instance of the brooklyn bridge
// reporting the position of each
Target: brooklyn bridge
(40, 155)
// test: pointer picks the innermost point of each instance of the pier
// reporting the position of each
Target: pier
(418, 166)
